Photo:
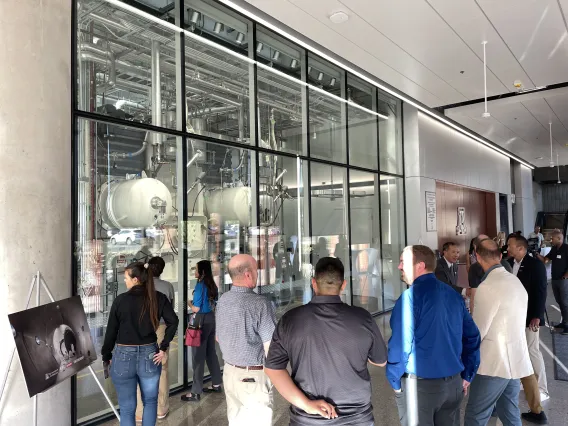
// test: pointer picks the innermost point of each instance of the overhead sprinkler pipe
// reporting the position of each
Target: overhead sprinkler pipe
(486, 113)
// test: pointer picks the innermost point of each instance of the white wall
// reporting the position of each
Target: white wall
(524, 199)
(434, 152)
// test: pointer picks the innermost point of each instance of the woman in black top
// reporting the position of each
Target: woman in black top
(133, 320)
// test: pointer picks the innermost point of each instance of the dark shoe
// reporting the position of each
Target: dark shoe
(539, 419)
(213, 389)
(191, 397)
(564, 331)
(559, 326)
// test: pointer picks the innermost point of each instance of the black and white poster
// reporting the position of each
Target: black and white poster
(53, 342)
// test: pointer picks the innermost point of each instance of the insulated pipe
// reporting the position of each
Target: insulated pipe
(135, 153)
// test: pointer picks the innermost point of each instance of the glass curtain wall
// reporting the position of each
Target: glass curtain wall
(201, 135)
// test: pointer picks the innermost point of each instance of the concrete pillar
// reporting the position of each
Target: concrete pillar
(524, 212)
(35, 181)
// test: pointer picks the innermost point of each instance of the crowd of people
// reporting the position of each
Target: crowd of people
(447, 341)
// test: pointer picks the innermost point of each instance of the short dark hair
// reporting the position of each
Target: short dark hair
(488, 250)
(447, 245)
(156, 265)
(423, 254)
(329, 272)
(522, 241)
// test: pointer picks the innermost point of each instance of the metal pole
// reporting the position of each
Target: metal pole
(156, 96)
(486, 113)
(104, 393)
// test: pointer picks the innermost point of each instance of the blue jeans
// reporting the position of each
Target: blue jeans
(133, 365)
(487, 393)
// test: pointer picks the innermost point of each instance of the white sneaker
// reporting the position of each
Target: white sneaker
(544, 396)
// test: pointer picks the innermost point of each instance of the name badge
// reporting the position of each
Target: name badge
(559, 256)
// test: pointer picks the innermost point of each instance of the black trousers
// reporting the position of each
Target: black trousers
(206, 353)
(430, 402)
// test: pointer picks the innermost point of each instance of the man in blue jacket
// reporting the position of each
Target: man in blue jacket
(433, 353)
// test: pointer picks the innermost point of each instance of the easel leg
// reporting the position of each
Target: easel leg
(35, 410)
(103, 391)
(28, 299)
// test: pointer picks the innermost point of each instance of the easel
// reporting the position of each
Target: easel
(38, 282)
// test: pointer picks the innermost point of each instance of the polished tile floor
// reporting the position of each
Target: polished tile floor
(211, 410)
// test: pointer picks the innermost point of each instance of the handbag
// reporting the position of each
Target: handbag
(192, 337)
(193, 331)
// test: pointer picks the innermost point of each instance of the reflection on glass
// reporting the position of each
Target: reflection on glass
(220, 203)
(127, 211)
(393, 236)
(329, 217)
(390, 138)
(127, 65)
(283, 237)
(327, 127)
(218, 83)
(365, 241)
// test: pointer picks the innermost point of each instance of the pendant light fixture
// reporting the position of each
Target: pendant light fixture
(550, 132)
(558, 167)
(486, 113)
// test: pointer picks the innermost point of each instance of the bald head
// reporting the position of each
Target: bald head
(243, 270)
(488, 254)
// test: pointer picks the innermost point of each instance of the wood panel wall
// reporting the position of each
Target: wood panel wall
(480, 217)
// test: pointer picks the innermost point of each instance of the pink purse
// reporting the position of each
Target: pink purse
(192, 337)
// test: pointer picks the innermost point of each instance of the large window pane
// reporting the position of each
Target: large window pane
(393, 236)
(365, 241)
(330, 234)
(362, 124)
(218, 82)
(327, 127)
(390, 136)
(127, 65)
(283, 237)
(127, 210)
(221, 211)
(280, 94)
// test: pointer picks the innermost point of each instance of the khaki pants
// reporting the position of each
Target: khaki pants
(247, 403)
(532, 393)
(164, 392)
(537, 361)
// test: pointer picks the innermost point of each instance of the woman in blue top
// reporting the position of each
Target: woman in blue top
(204, 296)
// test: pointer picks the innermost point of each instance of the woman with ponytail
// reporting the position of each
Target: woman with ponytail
(205, 297)
(137, 358)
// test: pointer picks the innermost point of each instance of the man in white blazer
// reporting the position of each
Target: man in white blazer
(500, 314)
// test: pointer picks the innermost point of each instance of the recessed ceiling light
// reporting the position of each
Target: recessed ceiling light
(539, 158)
(338, 17)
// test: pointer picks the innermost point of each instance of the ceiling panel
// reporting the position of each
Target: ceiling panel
(364, 35)
(312, 28)
(559, 105)
(535, 32)
(428, 38)
(468, 21)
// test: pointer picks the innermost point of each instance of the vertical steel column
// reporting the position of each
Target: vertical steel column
(345, 114)
(256, 127)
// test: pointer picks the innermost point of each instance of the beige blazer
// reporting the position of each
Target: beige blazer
(500, 314)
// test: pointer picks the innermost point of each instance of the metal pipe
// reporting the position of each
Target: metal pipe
(156, 98)
(212, 110)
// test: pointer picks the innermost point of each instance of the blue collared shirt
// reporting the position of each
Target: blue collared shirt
(433, 334)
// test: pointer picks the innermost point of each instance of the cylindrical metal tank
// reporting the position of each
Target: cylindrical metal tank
(231, 204)
(136, 203)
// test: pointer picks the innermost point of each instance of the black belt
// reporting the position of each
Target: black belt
(414, 376)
